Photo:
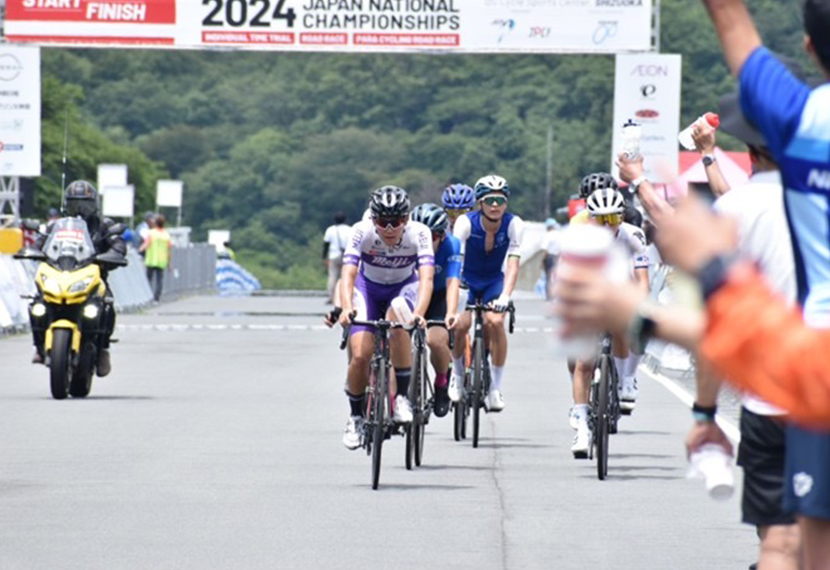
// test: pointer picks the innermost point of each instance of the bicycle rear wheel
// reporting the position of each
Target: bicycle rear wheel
(478, 387)
(380, 410)
(603, 419)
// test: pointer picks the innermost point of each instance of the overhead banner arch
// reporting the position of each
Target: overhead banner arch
(464, 26)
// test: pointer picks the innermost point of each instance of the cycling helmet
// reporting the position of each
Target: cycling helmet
(596, 181)
(432, 216)
(458, 197)
(389, 202)
(81, 199)
(490, 184)
(606, 201)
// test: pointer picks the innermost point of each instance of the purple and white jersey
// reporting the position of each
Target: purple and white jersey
(384, 264)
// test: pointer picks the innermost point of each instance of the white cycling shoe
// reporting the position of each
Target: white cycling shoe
(628, 393)
(455, 390)
(582, 441)
(403, 410)
(573, 418)
(351, 435)
(495, 401)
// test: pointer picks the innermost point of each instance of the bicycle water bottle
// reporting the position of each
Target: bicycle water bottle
(402, 310)
(685, 136)
(631, 134)
(712, 462)
(587, 245)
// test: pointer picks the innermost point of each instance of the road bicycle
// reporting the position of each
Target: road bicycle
(477, 383)
(378, 424)
(421, 394)
(604, 403)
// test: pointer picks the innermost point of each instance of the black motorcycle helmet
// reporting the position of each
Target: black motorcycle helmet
(80, 199)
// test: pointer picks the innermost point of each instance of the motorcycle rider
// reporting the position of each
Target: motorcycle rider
(81, 200)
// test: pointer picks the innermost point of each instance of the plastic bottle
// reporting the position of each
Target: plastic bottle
(685, 136)
(587, 245)
(712, 462)
(631, 134)
(402, 310)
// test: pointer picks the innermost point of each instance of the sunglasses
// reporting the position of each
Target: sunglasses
(393, 223)
(609, 219)
(437, 235)
(455, 212)
(495, 200)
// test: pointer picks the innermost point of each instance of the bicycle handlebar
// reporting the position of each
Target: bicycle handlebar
(379, 324)
(511, 308)
(442, 324)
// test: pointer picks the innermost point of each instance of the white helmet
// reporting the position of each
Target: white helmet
(489, 184)
(605, 201)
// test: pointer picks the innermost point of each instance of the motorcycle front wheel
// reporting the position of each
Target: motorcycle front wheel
(60, 367)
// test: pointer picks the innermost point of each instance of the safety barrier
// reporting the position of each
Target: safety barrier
(192, 270)
(233, 279)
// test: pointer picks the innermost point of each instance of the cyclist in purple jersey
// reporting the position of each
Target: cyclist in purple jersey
(379, 265)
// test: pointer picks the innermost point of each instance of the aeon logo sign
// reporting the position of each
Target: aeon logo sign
(646, 70)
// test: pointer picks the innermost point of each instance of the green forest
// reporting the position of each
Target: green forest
(270, 145)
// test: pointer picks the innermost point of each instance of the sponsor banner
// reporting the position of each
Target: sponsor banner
(19, 111)
(647, 91)
(479, 26)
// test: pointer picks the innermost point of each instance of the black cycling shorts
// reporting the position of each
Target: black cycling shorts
(437, 309)
(761, 453)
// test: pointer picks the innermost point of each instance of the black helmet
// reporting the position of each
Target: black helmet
(432, 216)
(81, 199)
(596, 181)
(389, 202)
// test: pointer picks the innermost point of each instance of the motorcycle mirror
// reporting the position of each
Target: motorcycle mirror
(31, 225)
(116, 229)
(30, 253)
(112, 259)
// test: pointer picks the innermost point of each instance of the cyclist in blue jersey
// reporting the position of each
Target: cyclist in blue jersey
(444, 302)
(490, 236)
(457, 199)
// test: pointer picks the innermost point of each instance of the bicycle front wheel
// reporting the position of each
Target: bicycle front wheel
(378, 433)
(414, 399)
(421, 413)
(478, 388)
(603, 417)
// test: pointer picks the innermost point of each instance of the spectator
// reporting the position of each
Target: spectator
(229, 252)
(335, 241)
(142, 230)
(157, 249)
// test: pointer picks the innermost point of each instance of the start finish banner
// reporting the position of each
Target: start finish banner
(552, 26)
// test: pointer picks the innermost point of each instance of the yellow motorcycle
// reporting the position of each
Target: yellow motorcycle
(67, 313)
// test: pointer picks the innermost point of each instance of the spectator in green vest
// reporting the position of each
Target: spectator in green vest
(156, 250)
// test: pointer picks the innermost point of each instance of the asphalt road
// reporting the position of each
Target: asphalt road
(216, 443)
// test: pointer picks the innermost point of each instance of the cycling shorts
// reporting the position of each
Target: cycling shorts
(437, 309)
(371, 300)
(485, 291)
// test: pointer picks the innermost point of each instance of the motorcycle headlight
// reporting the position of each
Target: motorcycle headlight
(50, 285)
(81, 285)
(91, 311)
(38, 310)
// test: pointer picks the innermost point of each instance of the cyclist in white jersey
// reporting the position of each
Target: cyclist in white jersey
(380, 264)
(606, 207)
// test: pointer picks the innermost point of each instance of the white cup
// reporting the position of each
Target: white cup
(402, 310)
(583, 245)
(712, 462)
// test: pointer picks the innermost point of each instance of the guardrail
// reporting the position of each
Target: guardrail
(192, 270)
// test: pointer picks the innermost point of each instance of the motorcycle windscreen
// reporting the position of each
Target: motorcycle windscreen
(69, 238)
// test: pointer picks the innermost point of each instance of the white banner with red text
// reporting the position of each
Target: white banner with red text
(478, 26)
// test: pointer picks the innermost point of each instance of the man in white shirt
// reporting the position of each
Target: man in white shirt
(334, 244)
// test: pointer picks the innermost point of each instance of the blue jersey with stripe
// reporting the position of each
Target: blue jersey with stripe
(479, 265)
(447, 262)
(795, 121)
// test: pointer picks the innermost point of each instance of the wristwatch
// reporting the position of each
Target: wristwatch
(708, 159)
(634, 187)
